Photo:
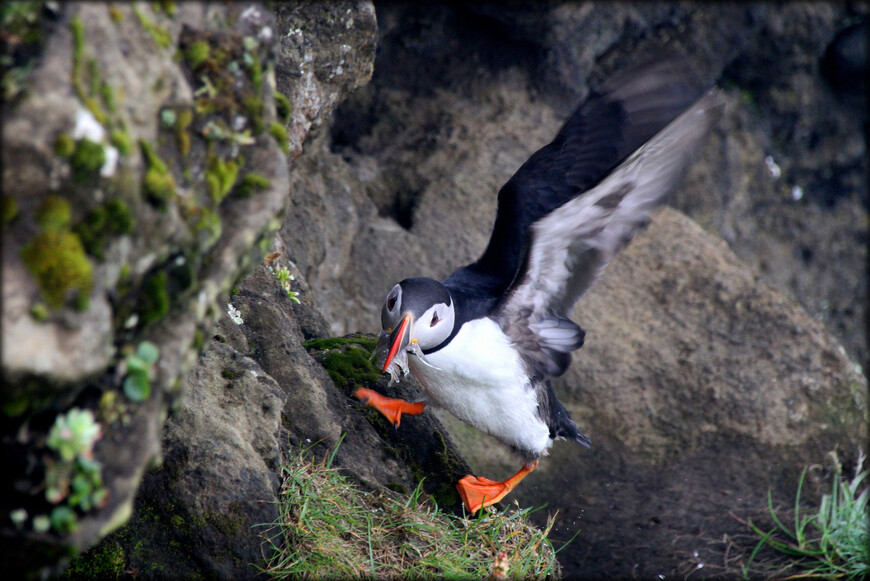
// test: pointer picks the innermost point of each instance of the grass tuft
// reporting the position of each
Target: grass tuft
(832, 543)
(329, 527)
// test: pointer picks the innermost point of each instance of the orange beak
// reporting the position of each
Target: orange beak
(399, 339)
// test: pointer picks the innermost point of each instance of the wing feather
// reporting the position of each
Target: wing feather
(570, 246)
(615, 119)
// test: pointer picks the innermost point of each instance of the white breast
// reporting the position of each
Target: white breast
(480, 379)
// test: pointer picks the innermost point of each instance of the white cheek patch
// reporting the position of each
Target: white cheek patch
(429, 335)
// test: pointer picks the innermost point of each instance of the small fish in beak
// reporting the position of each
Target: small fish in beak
(391, 350)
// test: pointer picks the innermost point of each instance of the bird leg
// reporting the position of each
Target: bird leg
(479, 492)
(391, 408)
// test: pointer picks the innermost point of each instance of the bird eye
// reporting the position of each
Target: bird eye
(435, 320)
(391, 303)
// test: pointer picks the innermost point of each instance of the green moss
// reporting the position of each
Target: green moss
(251, 183)
(279, 134)
(154, 300)
(151, 158)
(86, 160)
(159, 188)
(282, 106)
(228, 374)
(397, 487)
(53, 214)
(197, 53)
(198, 340)
(64, 145)
(254, 109)
(159, 34)
(323, 344)
(58, 262)
(39, 312)
(9, 208)
(104, 561)
(158, 185)
(207, 225)
(93, 76)
(78, 37)
(108, 96)
(182, 137)
(350, 367)
(111, 219)
(167, 7)
(121, 140)
(116, 15)
(221, 176)
(255, 71)
(230, 522)
(87, 92)
(121, 220)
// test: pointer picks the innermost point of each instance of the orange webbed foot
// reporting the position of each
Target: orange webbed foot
(391, 408)
(478, 492)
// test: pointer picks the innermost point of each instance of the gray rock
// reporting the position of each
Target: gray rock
(141, 263)
(257, 396)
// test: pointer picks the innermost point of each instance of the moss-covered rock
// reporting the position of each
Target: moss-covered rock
(58, 263)
(279, 134)
(86, 160)
(8, 209)
(250, 184)
(154, 299)
(113, 218)
(421, 443)
(54, 214)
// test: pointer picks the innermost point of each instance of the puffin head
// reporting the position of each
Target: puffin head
(417, 310)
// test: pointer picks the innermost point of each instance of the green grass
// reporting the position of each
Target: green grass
(833, 543)
(329, 527)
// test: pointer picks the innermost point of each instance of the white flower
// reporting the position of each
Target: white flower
(234, 314)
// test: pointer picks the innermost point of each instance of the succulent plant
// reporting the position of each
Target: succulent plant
(74, 434)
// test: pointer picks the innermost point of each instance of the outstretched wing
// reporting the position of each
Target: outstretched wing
(615, 119)
(571, 245)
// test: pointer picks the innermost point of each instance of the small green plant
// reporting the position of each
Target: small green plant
(328, 527)
(221, 177)
(74, 434)
(284, 278)
(73, 477)
(137, 384)
(834, 542)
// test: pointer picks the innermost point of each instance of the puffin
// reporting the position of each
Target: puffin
(485, 342)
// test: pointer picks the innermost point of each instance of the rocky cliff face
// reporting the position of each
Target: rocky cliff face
(158, 151)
